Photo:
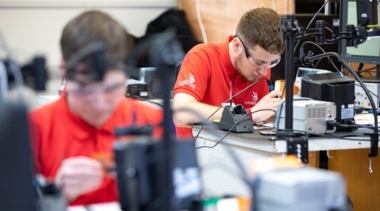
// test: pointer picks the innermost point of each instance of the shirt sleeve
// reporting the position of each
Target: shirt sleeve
(194, 75)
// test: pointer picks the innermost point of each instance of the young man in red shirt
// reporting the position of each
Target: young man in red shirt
(72, 135)
(210, 71)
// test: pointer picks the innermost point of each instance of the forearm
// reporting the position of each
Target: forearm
(256, 117)
(261, 115)
(194, 112)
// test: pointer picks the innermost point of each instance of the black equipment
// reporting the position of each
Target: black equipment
(146, 82)
(138, 169)
(332, 87)
(34, 73)
(16, 161)
(235, 119)
(157, 174)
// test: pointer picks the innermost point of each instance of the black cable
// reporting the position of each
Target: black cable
(329, 135)
(205, 122)
(335, 124)
(352, 125)
(311, 21)
(320, 135)
(332, 136)
(306, 133)
(342, 137)
(360, 67)
(316, 65)
(315, 44)
(231, 153)
(366, 70)
(238, 122)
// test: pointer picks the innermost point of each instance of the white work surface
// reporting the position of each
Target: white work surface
(268, 144)
(219, 170)
(113, 206)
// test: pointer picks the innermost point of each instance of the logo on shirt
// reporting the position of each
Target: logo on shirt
(254, 100)
(189, 81)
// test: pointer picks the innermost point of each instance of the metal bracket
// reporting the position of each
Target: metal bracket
(298, 146)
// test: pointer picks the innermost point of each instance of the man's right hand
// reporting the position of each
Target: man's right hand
(79, 175)
(269, 101)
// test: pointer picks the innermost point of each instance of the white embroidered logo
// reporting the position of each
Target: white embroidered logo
(189, 81)
(255, 98)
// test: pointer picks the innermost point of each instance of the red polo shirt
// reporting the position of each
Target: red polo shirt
(206, 73)
(58, 134)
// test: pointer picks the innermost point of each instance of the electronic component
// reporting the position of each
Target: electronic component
(149, 85)
(309, 115)
(298, 190)
(359, 109)
(302, 71)
(332, 87)
(136, 88)
(147, 73)
(235, 119)
(361, 98)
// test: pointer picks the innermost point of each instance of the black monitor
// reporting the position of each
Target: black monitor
(16, 177)
(367, 52)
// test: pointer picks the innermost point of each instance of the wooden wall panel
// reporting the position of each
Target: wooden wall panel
(354, 66)
(362, 186)
(314, 159)
(220, 17)
(85, 3)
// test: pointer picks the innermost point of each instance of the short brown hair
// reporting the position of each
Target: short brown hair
(95, 27)
(261, 26)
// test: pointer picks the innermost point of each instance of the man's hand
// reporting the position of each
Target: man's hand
(79, 175)
(269, 101)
